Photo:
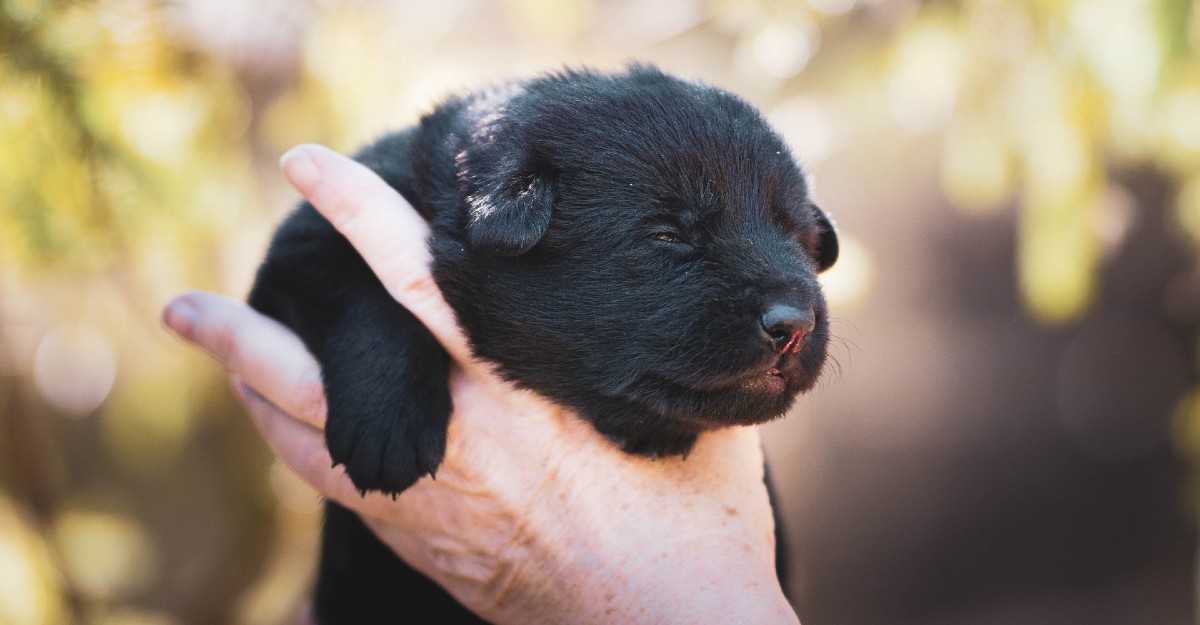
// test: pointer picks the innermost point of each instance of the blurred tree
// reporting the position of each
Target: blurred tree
(123, 166)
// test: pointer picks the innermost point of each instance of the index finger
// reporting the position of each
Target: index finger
(257, 349)
(387, 232)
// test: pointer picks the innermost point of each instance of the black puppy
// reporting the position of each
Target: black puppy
(636, 247)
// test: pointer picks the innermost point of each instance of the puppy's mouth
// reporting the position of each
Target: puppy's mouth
(771, 377)
(753, 395)
(771, 382)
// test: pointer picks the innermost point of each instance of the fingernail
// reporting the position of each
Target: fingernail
(299, 167)
(248, 395)
(180, 316)
(245, 393)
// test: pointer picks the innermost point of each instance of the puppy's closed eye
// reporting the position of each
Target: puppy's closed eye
(669, 236)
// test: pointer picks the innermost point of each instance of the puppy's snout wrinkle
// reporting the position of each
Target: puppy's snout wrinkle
(786, 325)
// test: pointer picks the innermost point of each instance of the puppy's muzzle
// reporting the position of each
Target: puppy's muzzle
(786, 326)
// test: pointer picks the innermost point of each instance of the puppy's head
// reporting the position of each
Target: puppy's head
(640, 241)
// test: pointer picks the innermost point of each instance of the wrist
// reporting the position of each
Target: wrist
(714, 573)
(673, 542)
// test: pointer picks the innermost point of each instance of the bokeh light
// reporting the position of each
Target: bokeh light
(808, 128)
(782, 49)
(848, 282)
(74, 369)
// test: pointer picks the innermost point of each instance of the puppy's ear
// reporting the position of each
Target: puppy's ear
(827, 245)
(510, 211)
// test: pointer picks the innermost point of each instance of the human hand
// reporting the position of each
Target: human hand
(534, 517)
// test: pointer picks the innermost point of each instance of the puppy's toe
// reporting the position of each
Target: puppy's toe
(430, 448)
(385, 455)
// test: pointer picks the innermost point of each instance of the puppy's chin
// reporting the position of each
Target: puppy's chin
(757, 394)
(749, 400)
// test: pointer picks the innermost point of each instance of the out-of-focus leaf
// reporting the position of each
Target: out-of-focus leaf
(1188, 208)
(549, 20)
(30, 593)
(977, 173)
(926, 74)
(132, 616)
(145, 427)
(107, 555)
(1174, 20)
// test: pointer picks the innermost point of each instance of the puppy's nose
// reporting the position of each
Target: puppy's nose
(786, 325)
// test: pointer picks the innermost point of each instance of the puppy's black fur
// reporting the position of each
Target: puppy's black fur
(636, 247)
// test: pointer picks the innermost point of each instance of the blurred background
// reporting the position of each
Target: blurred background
(1006, 438)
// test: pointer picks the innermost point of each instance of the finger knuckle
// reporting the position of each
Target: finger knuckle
(310, 399)
(413, 284)
(419, 287)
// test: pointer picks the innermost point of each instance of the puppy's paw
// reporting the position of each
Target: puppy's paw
(388, 450)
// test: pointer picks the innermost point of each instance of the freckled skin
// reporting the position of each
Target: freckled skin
(609, 241)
